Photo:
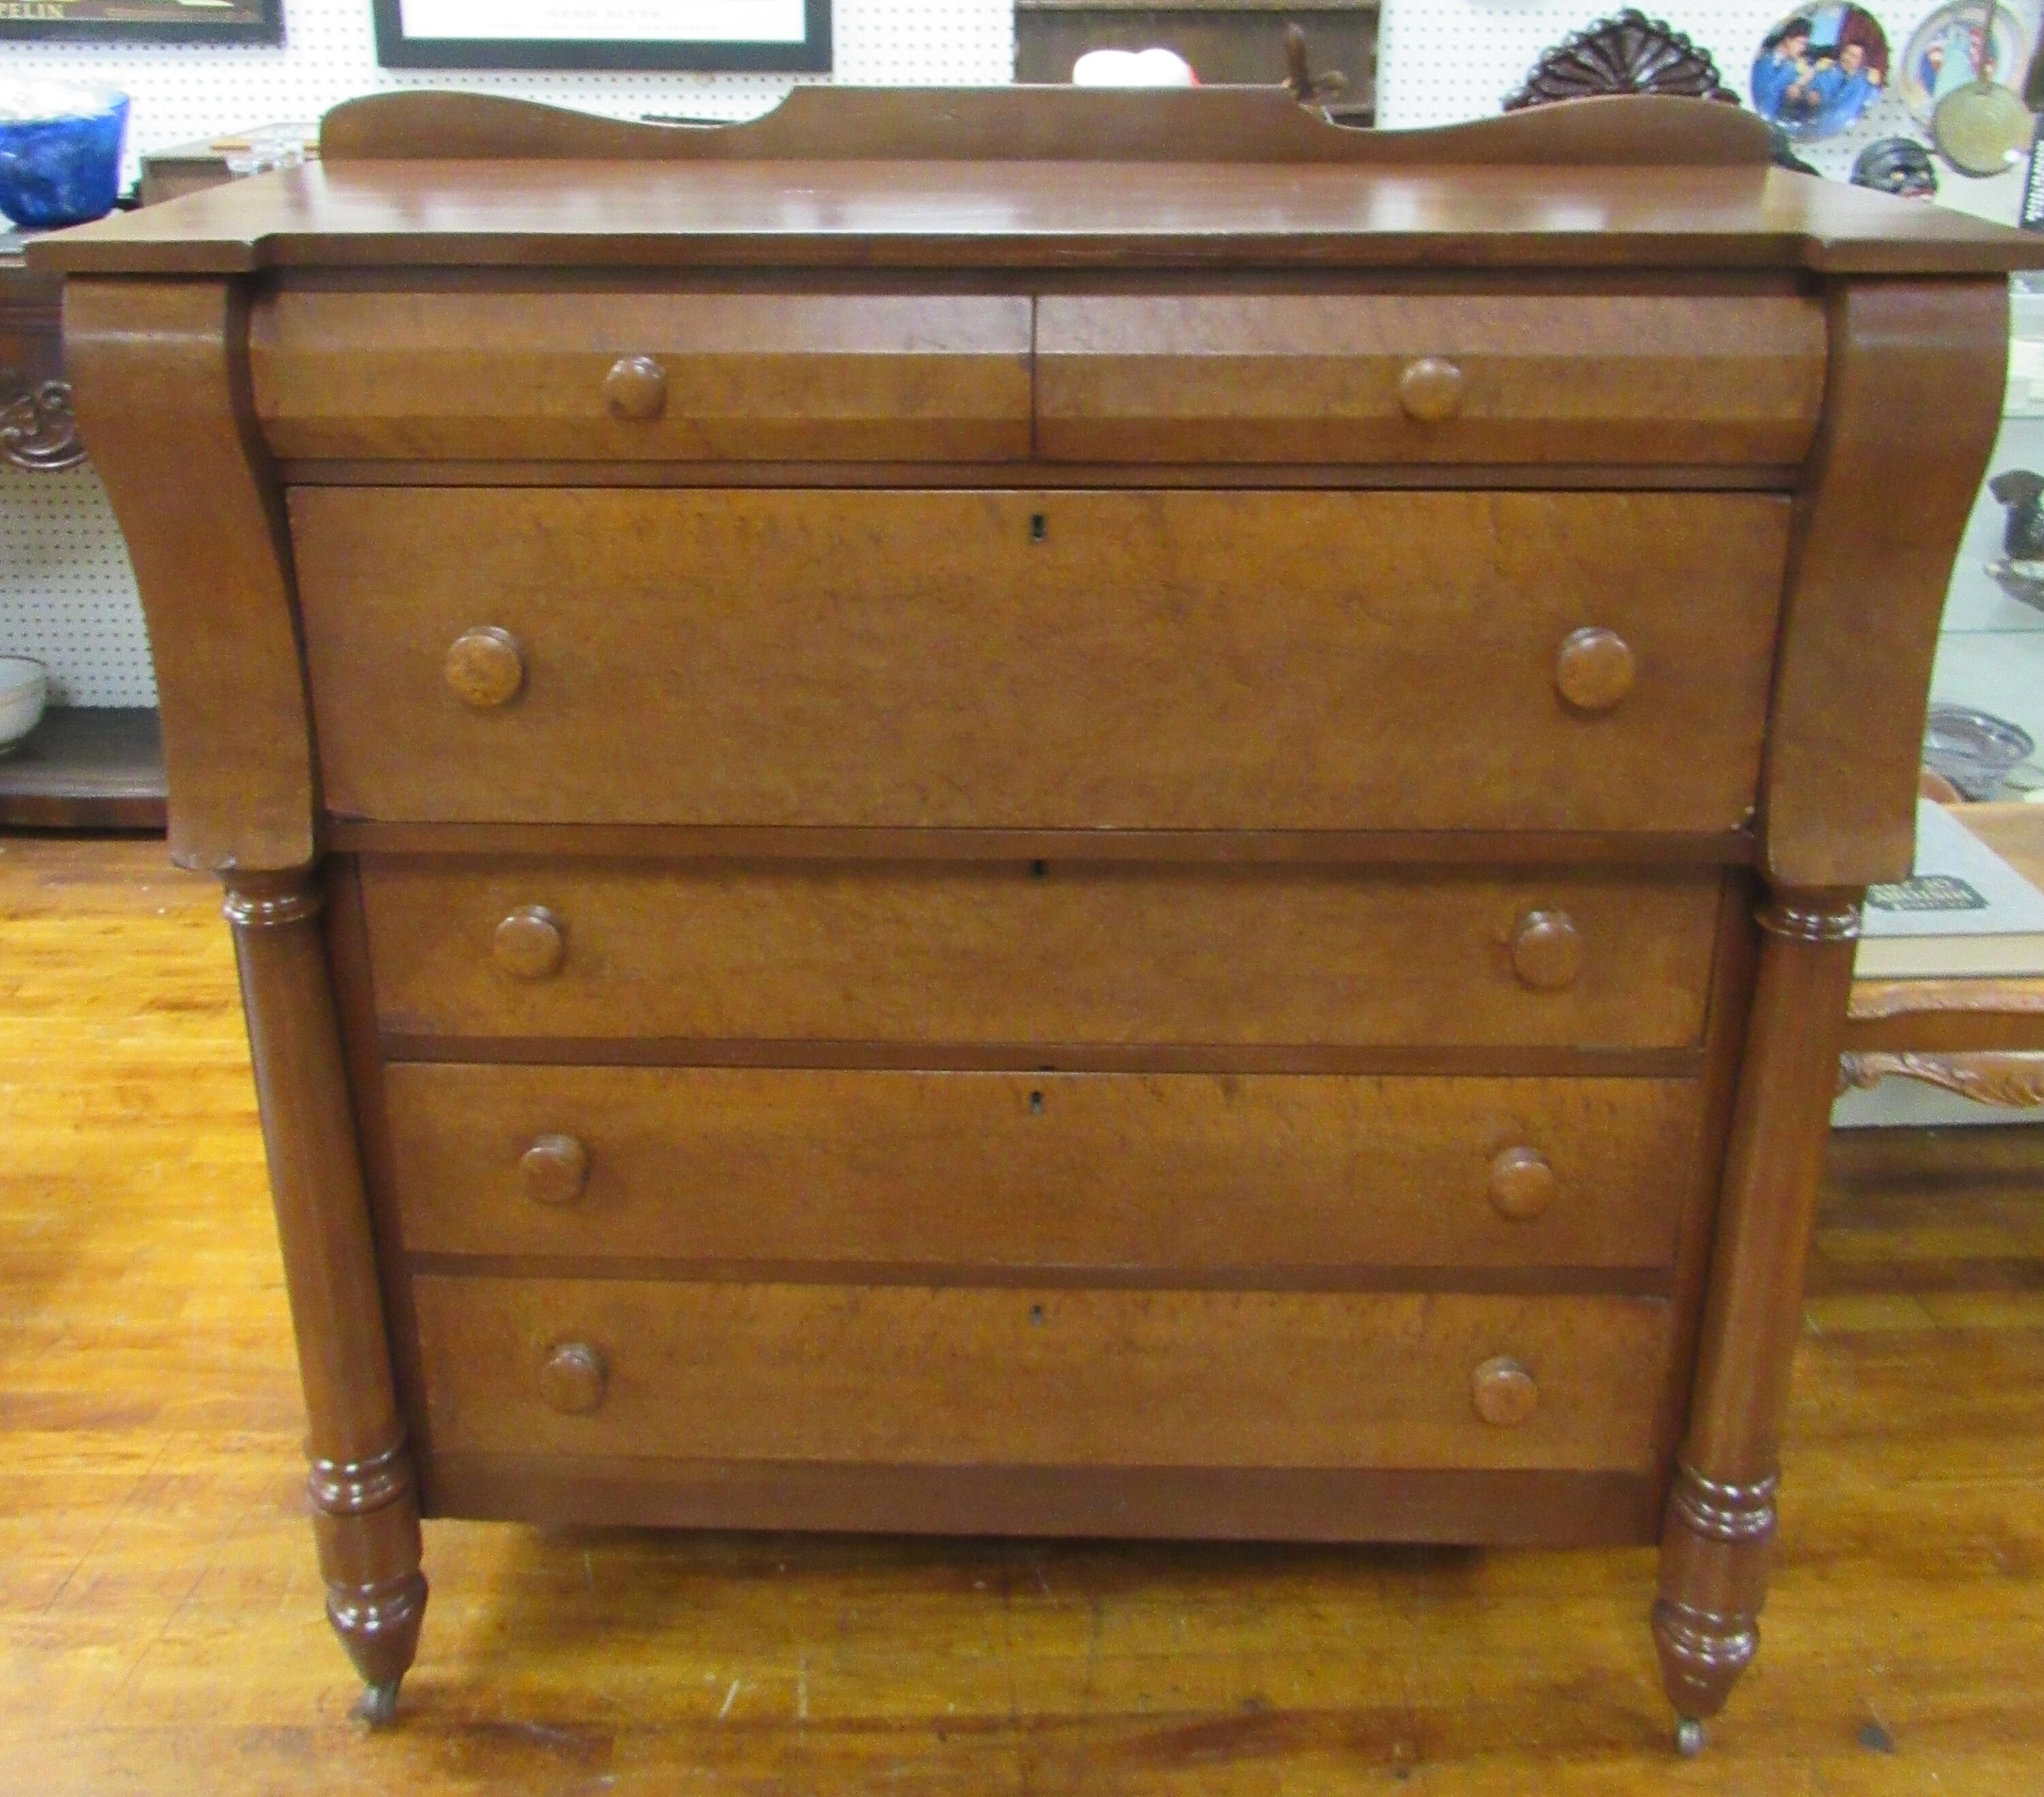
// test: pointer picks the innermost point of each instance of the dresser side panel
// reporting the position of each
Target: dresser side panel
(1913, 403)
(159, 371)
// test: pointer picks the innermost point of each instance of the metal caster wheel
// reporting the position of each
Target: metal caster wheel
(378, 1707)
(1688, 1737)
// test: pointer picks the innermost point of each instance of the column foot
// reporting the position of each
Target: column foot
(1713, 1582)
(379, 1624)
(378, 1707)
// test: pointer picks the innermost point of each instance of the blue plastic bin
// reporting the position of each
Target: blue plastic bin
(65, 168)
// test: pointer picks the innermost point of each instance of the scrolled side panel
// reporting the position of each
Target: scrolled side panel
(159, 371)
(1911, 406)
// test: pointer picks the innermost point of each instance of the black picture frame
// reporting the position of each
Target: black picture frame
(178, 24)
(394, 49)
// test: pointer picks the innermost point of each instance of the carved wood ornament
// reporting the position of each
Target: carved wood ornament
(2014, 1079)
(1628, 53)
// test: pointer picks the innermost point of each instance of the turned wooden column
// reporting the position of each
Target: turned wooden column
(1720, 1519)
(365, 1507)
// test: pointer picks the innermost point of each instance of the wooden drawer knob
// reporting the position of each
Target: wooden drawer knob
(636, 389)
(1594, 669)
(554, 1170)
(530, 943)
(1522, 1183)
(1546, 950)
(1431, 389)
(572, 1379)
(1504, 1392)
(484, 668)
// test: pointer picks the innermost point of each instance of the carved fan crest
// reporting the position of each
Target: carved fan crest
(1627, 54)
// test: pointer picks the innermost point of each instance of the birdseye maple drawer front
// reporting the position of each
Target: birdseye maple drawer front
(1211, 660)
(622, 376)
(926, 953)
(955, 1376)
(1529, 378)
(908, 1171)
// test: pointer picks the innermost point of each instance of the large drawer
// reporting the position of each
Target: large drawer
(964, 1376)
(927, 955)
(1215, 660)
(1528, 377)
(566, 376)
(901, 1173)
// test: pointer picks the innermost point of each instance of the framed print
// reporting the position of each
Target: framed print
(196, 21)
(697, 34)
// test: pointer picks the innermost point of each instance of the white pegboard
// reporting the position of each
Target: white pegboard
(67, 595)
(1439, 61)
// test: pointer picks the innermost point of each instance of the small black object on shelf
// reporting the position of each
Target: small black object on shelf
(1896, 165)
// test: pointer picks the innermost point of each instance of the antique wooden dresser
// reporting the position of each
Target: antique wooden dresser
(1038, 811)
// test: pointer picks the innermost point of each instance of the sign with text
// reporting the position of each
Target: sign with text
(216, 21)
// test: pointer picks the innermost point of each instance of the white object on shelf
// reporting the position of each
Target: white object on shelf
(24, 686)
(1133, 68)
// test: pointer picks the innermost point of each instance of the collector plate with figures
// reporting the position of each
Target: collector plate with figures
(1820, 68)
(1955, 45)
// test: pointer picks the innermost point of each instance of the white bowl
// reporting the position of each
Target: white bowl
(24, 685)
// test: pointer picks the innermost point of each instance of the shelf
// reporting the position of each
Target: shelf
(86, 768)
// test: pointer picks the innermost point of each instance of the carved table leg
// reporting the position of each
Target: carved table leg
(365, 1508)
(1720, 1517)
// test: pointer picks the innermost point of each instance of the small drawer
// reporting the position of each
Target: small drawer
(966, 1376)
(746, 377)
(1190, 1174)
(1080, 660)
(1093, 956)
(1709, 380)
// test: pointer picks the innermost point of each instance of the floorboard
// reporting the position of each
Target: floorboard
(160, 1627)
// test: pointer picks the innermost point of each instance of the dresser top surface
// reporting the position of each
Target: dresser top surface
(985, 178)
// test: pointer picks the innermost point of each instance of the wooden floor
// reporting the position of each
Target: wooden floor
(160, 1626)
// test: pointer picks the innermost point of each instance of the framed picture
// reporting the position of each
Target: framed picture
(697, 34)
(199, 21)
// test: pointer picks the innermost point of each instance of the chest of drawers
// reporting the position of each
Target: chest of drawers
(1044, 812)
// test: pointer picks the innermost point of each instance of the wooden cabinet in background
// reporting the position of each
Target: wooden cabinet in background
(1227, 41)
(1045, 811)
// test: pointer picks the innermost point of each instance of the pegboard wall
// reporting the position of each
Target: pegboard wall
(1438, 61)
(67, 595)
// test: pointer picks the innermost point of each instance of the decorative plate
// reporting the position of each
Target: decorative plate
(1945, 52)
(1819, 69)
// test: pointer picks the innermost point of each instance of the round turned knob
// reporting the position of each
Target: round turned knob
(636, 389)
(1522, 1183)
(1546, 950)
(1504, 1392)
(572, 1379)
(530, 943)
(1594, 669)
(1431, 389)
(485, 666)
(554, 1170)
